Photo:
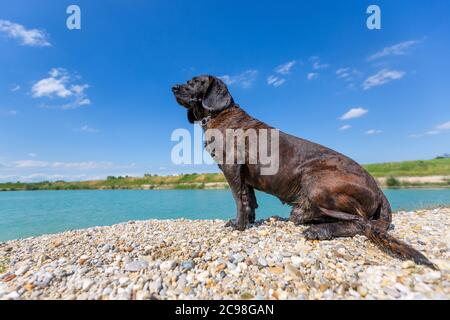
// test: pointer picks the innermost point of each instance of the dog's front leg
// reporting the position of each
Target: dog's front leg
(253, 204)
(241, 194)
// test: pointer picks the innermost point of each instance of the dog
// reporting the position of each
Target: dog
(327, 190)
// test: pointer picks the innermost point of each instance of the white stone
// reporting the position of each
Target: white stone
(87, 284)
(22, 270)
(167, 265)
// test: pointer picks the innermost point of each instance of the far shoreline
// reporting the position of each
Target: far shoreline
(423, 174)
(406, 183)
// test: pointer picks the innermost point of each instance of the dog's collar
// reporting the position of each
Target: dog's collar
(204, 122)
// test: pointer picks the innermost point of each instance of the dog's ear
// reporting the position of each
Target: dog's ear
(191, 116)
(217, 96)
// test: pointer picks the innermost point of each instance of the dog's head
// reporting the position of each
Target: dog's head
(203, 95)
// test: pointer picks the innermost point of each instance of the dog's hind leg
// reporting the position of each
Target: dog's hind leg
(304, 213)
(328, 231)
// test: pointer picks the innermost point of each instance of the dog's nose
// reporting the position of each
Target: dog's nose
(176, 88)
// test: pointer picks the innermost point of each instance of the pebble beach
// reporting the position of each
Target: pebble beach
(184, 259)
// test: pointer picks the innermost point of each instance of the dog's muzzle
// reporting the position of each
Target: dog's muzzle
(176, 88)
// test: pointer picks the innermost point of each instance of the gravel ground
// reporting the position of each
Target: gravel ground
(182, 259)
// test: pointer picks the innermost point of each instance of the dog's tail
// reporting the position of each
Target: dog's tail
(382, 239)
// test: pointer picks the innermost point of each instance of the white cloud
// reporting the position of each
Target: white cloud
(30, 164)
(312, 76)
(32, 155)
(316, 65)
(382, 77)
(83, 165)
(354, 113)
(27, 37)
(397, 50)
(88, 129)
(88, 165)
(437, 130)
(60, 85)
(38, 177)
(52, 86)
(275, 81)
(285, 68)
(244, 80)
(444, 126)
(372, 132)
(347, 74)
(15, 87)
(343, 72)
(10, 113)
(345, 127)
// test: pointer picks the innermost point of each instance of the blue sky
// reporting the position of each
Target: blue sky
(81, 104)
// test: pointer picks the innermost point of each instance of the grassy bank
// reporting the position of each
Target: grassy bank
(148, 182)
(397, 183)
(408, 174)
(419, 168)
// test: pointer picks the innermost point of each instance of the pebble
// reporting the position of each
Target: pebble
(3, 289)
(22, 270)
(262, 262)
(292, 271)
(433, 276)
(167, 265)
(182, 282)
(136, 266)
(391, 292)
(123, 281)
(408, 264)
(87, 284)
(187, 265)
(13, 295)
(296, 261)
(155, 286)
(238, 258)
(202, 277)
(183, 259)
(362, 291)
(42, 279)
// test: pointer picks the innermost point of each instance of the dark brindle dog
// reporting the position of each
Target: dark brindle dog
(325, 188)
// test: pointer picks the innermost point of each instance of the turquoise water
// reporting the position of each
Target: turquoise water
(25, 214)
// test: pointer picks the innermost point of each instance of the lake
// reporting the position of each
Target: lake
(25, 214)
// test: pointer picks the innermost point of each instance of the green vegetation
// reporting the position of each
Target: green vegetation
(419, 168)
(392, 182)
(186, 181)
(394, 171)
(396, 184)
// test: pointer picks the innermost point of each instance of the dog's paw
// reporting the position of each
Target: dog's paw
(230, 224)
(235, 226)
(317, 233)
